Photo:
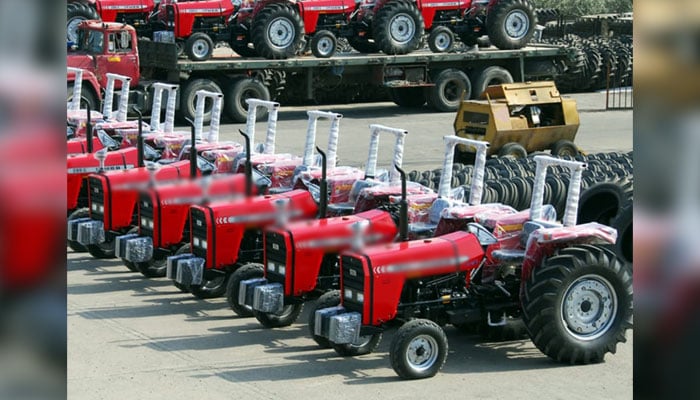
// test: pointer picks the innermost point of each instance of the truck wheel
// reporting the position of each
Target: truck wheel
(241, 89)
(511, 24)
(364, 345)
(211, 288)
(565, 148)
(286, 317)
(77, 214)
(183, 250)
(76, 13)
(132, 267)
(153, 268)
(451, 85)
(245, 272)
(103, 250)
(441, 40)
(277, 31)
(512, 149)
(578, 304)
(363, 45)
(418, 350)
(188, 101)
(328, 299)
(410, 97)
(323, 44)
(398, 27)
(86, 97)
(490, 76)
(199, 47)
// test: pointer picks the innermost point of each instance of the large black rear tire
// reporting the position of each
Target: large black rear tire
(277, 31)
(577, 305)
(398, 27)
(77, 12)
(511, 24)
(492, 75)
(236, 94)
(451, 85)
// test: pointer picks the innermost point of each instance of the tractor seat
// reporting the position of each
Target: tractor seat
(518, 255)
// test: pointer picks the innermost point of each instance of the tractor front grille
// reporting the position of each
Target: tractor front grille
(200, 233)
(354, 280)
(146, 213)
(97, 199)
(276, 254)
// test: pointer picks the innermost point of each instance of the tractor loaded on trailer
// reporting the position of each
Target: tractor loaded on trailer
(441, 80)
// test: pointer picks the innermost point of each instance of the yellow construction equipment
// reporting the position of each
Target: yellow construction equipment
(517, 119)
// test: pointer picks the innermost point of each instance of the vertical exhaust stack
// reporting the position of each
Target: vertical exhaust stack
(403, 206)
(193, 149)
(88, 129)
(248, 166)
(323, 187)
(139, 138)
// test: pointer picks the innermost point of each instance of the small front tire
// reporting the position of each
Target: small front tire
(441, 40)
(199, 47)
(328, 299)
(323, 44)
(288, 315)
(418, 350)
(245, 272)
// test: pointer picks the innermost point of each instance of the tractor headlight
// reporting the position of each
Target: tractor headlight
(94, 207)
(146, 223)
(150, 223)
(276, 268)
(353, 295)
(195, 241)
(204, 244)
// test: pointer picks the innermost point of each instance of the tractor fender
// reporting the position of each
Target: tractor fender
(543, 243)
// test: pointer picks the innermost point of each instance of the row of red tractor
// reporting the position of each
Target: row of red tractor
(274, 231)
(278, 29)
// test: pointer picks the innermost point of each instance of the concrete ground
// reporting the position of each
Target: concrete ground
(131, 337)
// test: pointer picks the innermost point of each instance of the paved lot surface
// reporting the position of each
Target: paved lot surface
(131, 337)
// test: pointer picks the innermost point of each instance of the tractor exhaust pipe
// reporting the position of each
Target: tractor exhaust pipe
(323, 201)
(248, 166)
(403, 207)
(88, 127)
(139, 138)
(193, 149)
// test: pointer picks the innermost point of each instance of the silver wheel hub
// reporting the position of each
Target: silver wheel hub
(517, 24)
(442, 41)
(72, 28)
(402, 28)
(422, 352)
(281, 32)
(200, 48)
(325, 46)
(589, 307)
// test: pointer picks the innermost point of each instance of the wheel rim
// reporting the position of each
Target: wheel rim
(402, 28)
(453, 91)
(281, 32)
(200, 48)
(517, 24)
(442, 41)
(72, 28)
(589, 307)
(215, 283)
(286, 311)
(422, 352)
(325, 46)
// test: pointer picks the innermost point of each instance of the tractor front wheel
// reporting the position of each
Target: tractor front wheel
(364, 345)
(286, 317)
(104, 250)
(418, 350)
(245, 272)
(328, 299)
(441, 40)
(77, 214)
(323, 44)
(153, 268)
(211, 288)
(185, 249)
(577, 305)
(199, 47)
(132, 267)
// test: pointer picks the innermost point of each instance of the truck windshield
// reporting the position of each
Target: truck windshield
(91, 41)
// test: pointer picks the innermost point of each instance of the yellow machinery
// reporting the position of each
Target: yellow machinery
(519, 118)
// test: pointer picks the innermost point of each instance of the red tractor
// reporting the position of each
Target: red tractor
(573, 294)
(194, 25)
(136, 13)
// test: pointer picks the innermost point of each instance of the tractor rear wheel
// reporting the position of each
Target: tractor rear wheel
(236, 94)
(277, 31)
(418, 350)
(245, 272)
(199, 47)
(77, 214)
(441, 40)
(288, 315)
(211, 288)
(451, 85)
(328, 299)
(511, 24)
(398, 27)
(77, 12)
(578, 304)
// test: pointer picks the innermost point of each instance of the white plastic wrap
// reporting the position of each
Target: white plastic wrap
(269, 298)
(74, 104)
(123, 98)
(139, 249)
(375, 131)
(345, 328)
(212, 135)
(171, 264)
(72, 231)
(310, 143)
(246, 290)
(120, 244)
(322, 318)
(591, 230)
(158, 89)
(477, 182)
(576, 168)
(190, 271)
(273, 108)
(91, 232)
